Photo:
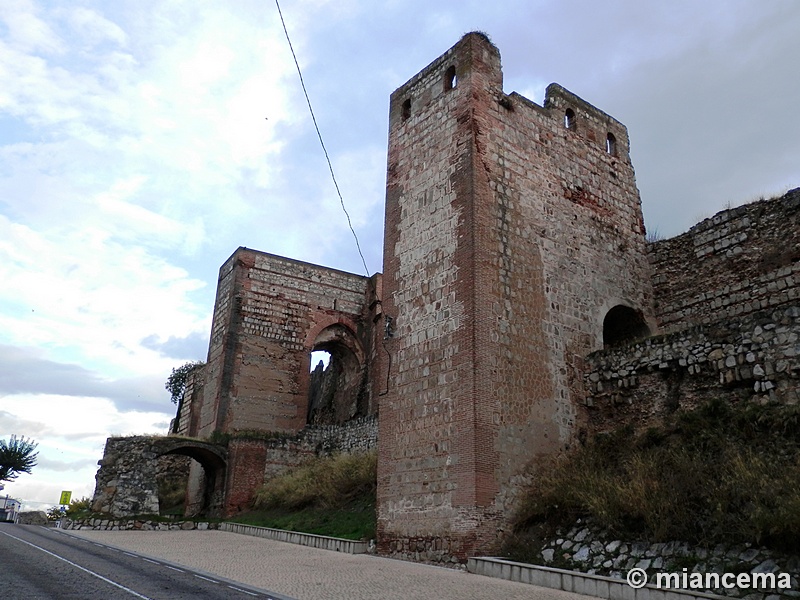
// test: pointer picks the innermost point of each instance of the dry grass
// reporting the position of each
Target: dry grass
(720, 474)
(323, 482)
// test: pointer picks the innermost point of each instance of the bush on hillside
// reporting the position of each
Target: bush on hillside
(720, 474)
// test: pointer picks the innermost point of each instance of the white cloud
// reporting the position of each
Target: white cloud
(27, 31)
(71, 433)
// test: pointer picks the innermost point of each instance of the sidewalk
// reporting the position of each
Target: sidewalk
(311, 574)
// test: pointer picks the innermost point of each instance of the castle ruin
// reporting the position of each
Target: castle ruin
(519, 310)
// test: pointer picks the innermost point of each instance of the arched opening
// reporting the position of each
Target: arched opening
(172, 477)
(569, 119)
(336, 392)
(623, 325)
(450, 79)
(611, 144)
(205, 480)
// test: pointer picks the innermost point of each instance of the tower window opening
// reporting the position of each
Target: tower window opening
(406, 108)
(611, 144)
(450, 79)
(569, 119)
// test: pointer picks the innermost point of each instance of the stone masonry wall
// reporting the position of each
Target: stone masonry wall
(755, 357)
(187, 418)
(127, 482)
(508, 238)
(739, 261)
(359, 435)
(587, 548)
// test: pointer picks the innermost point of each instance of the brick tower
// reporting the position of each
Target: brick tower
(514, 246)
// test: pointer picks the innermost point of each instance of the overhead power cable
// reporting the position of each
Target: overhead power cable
(319, 135)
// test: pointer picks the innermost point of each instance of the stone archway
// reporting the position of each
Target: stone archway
(127, 483)
(336, 392)
(623, 324)
(205, 488)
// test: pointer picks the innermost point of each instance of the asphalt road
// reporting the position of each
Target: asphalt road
(38, 563)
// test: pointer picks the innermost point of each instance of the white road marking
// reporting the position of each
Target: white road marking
(174, 569)
(92, 573)
(150, 561)
(205, 578)
(243, 591)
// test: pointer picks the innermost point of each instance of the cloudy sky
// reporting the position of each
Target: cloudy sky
(143, 141)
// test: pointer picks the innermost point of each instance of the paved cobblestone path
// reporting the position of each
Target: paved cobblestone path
(311, 574)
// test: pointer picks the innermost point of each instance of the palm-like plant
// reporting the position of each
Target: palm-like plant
(17, 456)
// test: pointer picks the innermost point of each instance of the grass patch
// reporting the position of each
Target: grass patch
(724, 473)
(356, 521)
(171, 493)
(332, 495)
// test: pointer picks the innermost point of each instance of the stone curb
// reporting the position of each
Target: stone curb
(579, 583)
(296, 537)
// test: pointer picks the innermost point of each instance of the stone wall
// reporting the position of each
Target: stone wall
(509, 236)
(740, 261)
(358, 435)
(754, 357)
(588, 549)
(126, 483)
(187, 419)
(253, 462)
(95, 523)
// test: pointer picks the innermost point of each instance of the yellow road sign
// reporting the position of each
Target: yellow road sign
(65, 497)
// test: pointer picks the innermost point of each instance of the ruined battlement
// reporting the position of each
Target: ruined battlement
(270, 314)
(511, 232)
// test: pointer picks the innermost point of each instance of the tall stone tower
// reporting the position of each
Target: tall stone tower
(514, 246)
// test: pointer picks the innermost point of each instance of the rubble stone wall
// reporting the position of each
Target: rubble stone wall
(741, 260)
(754, 357)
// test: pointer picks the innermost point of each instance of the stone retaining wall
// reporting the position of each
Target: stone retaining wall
(589, 550)
(136, 524)
(754, 358)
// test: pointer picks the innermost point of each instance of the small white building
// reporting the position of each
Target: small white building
(9, 510)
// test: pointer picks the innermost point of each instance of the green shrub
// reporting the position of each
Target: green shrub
(79, 508)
